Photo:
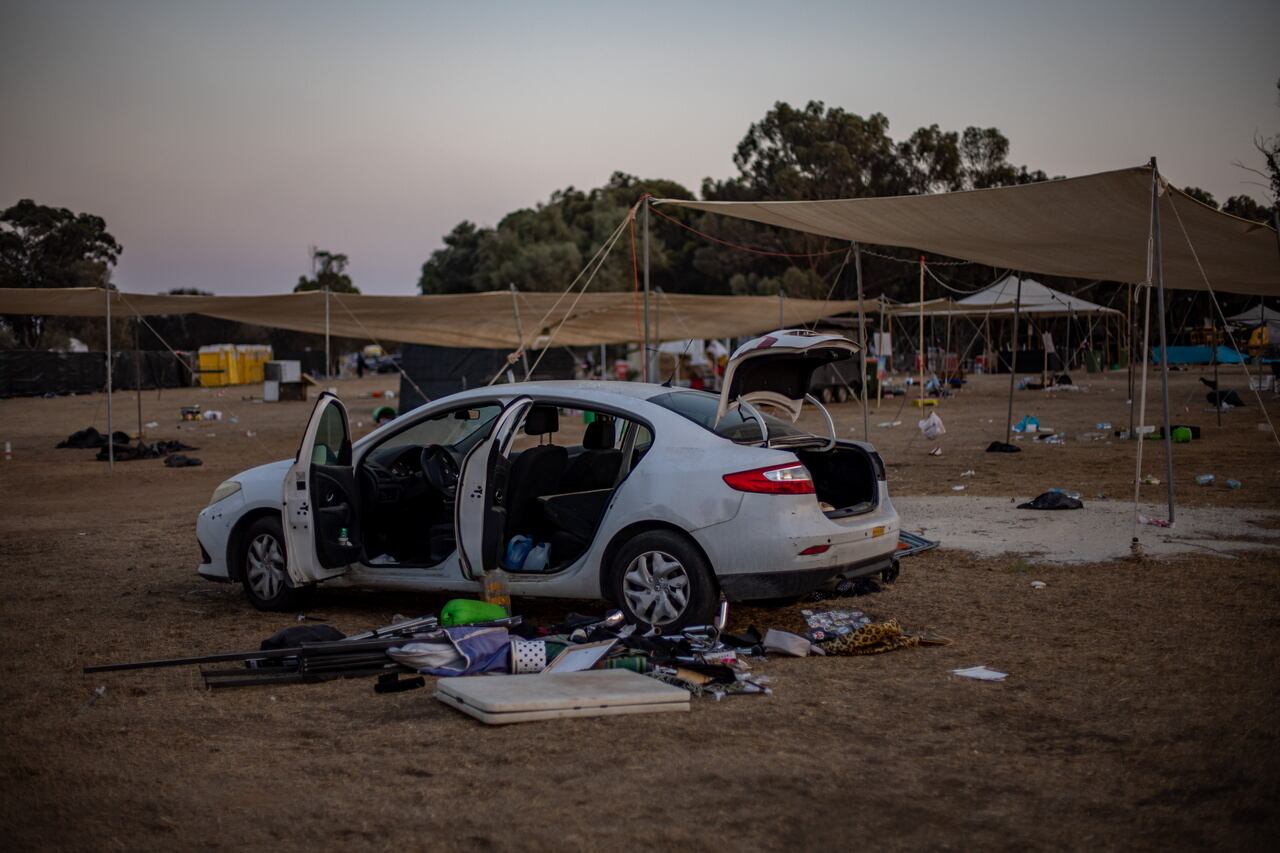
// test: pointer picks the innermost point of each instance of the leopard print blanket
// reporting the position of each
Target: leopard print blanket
(873, 639)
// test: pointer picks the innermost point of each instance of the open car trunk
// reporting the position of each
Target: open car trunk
(845, 479)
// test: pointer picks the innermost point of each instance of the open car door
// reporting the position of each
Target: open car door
(321, 516)
(775, 370)
(480, 512)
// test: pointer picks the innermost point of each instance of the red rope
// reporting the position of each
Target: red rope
(743, 248)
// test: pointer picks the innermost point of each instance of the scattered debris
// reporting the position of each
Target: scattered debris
(1053, 500)
(981, 673)
(932, 426)
(968, 473)
(1204, 479)
(1234, 484)
(1154, 522)
(1002, 447)
(957, 488)
(1038, 584)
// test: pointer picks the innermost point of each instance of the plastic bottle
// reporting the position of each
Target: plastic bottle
(538, 558)
(1204, 480)
(1234, 484)
(517, 552)
(495, 590)
(342, 538)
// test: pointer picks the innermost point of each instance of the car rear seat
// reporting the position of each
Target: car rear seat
(597, 466)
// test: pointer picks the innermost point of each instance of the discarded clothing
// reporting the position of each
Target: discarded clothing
(90, 438)
(1002, 447)
(1053, 500)
(458, 651)
(825, 624)
(787, 643)
(873, 639)
(287, 638)
(177, 460)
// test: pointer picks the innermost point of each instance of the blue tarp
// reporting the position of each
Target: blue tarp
(1198, 355)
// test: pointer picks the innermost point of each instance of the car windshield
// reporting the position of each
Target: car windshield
(700, 407)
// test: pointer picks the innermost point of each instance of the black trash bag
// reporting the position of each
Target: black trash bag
(294, 635)
(177, 460)
(1053, 500)
(1002, 447)
(87, 439)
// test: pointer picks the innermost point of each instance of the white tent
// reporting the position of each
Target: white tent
(1036, 298)
(1254, 316)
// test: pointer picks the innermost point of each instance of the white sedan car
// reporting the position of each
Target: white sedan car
(672, 499)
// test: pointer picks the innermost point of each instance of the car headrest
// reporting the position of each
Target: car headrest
(542, 420)
(600, 434)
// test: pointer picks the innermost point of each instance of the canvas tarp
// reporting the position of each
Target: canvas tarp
(1093, 227)
(457, 320)
(1254, 316)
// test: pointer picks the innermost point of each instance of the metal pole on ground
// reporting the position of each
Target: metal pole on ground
(862, 341)
(1013, 361)
(1158, 267)
(111, 445)
(524, 351)
(645, 361)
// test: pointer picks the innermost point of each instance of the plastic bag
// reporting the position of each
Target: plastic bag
(932, 426)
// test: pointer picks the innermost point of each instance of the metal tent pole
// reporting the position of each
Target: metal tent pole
(1128, 339)
(1013, 361)
(137, 374)
(782, 309)
(884, 358)
(921, 354)
(1158, 267)
(524, 351)
(862, 342)
(328, 362)
(111, 445)
(645, 360)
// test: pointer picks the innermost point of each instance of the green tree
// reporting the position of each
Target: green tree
(328, 272)
(51, 247)
(1247, 207)
(1202, 196)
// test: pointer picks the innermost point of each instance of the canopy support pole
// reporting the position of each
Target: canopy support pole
(111, 444)
(921, 355)
(1128, 339)
(1013, 360)
(862, 341)
(1158, 267)
(137, 374)
(524, 350)
(328, 361)
(884, 359)
(782, 309)
(645, 359)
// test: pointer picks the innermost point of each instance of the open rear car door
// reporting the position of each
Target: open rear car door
(321, 516)
(480, 513)
(775, 370)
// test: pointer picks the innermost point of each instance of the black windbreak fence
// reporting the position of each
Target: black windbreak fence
(33, 373)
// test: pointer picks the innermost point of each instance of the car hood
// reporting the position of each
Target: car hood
(775, 369)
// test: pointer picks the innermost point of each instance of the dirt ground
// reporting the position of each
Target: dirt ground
(1140, 711)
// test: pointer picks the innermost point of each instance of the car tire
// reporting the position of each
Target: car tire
(842, 394)
(659, 578)
(264, 574)
(827, 395)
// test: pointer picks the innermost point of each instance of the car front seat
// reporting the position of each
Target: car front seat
(597, 466)
(535, 472)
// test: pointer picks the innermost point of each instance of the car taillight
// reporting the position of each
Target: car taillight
(792, 479)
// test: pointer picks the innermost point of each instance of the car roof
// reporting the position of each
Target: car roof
(570, 387)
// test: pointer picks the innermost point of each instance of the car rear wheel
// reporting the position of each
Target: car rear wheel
(265, 576)
(660, 578)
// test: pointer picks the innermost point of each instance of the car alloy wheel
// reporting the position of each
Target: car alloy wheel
(265, 566)
(656, 587)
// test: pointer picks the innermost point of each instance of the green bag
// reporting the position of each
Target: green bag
(1181, 435)
(468, 611)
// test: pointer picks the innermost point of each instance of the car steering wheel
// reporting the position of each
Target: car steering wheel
(440, 469)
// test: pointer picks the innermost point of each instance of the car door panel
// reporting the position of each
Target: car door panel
(321, 513)
(480, 510)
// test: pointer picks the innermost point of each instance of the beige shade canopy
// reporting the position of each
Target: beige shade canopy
(1004, 298)
(484, 320)
(1095, 226)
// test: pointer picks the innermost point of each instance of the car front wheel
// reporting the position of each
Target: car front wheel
(660, 578)
(265, 575)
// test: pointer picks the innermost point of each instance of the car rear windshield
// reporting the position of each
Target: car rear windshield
(700, 407)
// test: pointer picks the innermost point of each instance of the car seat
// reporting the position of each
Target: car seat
(535, 472)
(597, 466)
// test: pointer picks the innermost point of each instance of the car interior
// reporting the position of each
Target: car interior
(556, 492)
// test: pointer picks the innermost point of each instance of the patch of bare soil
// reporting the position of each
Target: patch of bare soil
(1140, 710)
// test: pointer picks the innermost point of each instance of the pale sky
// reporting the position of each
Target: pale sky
(221, 139)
